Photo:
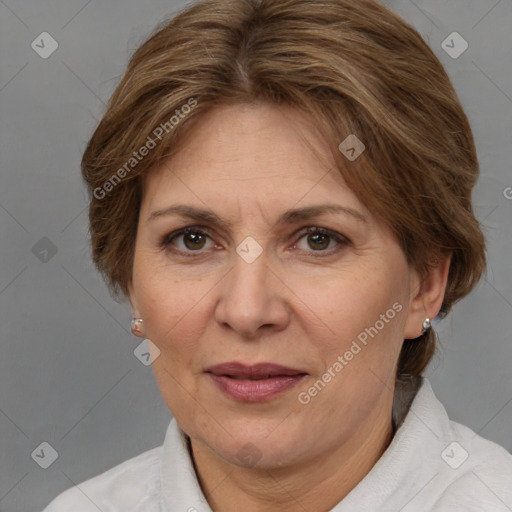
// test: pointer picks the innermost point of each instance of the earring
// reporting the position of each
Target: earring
(427, 324)
(136, 325)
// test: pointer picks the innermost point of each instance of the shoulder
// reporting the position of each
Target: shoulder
(470, 472)
(447, 466)
(131, 486)
(479, 473)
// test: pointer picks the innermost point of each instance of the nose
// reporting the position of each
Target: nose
(252, 299)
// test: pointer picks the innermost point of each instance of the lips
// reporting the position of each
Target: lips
(257, 383)
(255, 372)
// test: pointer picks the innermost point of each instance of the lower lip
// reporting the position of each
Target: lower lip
(255, 390)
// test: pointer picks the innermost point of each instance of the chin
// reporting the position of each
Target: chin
(258, 444)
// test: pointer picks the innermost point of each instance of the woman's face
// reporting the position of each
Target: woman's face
(250, 285)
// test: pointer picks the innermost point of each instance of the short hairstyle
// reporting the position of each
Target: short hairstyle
(355, 68)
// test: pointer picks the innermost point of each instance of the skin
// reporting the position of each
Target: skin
(300, 304)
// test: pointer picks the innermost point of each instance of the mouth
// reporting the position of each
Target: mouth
(255, 383)
(258, 371)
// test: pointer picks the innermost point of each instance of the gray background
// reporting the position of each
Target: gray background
(68, 375)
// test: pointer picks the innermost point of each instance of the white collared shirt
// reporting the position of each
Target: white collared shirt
(432, 464)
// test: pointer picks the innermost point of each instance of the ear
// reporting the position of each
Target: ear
(427, 294)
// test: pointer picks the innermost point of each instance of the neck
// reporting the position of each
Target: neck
(315, 484)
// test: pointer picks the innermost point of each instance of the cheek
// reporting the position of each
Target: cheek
(345, 305)
(360, 337)
(175, 316)
(175, 309)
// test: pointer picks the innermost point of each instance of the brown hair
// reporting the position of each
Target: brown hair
(354, 68)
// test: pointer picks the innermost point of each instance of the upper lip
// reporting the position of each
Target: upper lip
(234, 369)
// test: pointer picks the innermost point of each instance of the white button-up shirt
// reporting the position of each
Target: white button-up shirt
(432, 464)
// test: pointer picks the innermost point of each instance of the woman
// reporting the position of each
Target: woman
(282, 190)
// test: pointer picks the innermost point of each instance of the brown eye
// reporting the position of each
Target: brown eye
(194, 240)
(322, 240)
(186, 240)
(318, 241)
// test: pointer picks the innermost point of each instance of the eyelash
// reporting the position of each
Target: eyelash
(199, 230)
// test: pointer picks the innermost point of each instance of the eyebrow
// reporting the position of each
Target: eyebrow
(287, 217)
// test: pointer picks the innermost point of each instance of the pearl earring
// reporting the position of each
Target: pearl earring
(427, 324)
(136, 325)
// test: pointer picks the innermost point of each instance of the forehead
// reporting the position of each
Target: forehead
(251, 154)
